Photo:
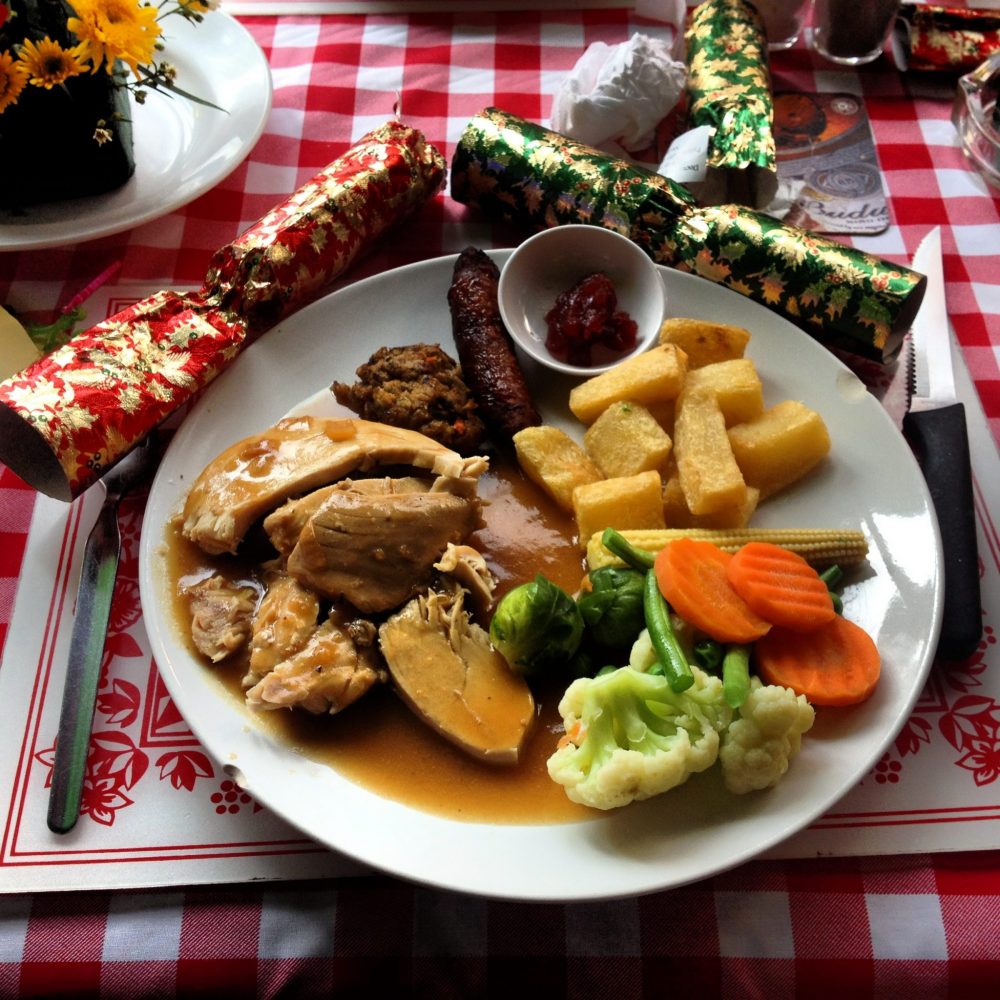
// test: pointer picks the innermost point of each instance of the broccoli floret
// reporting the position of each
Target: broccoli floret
(759, 744)
(629, 736)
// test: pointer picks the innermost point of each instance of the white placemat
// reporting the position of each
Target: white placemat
(159, 811)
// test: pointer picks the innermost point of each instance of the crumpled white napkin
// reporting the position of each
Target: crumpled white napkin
(618, 94)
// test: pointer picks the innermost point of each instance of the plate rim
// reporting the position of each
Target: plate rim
(51, 233)
(152, 538)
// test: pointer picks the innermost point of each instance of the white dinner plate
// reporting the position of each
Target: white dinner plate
(870, 481)
(181, 148)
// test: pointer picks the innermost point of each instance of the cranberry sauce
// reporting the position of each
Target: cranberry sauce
(585, 325)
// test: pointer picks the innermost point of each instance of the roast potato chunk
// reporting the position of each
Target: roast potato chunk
(703, 341)
(553, 461)
(781, 446)
(626, 439)
(709, 476)
(651, 377)
(677, 514)
(623, 502)
(735, 385)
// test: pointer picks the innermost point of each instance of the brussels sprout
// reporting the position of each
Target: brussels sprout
(708, 654)
(612, 610)
(589, 662)
(536, 626)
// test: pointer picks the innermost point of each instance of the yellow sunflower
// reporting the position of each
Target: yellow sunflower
(115, 29)
(12, 80)
(47, 63)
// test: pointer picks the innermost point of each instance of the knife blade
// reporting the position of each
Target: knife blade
(935, 426)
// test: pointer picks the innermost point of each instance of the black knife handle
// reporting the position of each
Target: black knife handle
(942, 443)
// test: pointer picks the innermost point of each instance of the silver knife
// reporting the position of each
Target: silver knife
(935, 425)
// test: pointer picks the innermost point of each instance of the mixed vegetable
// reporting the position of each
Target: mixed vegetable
(686, 657)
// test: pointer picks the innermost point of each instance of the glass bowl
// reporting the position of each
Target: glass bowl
(977, 118)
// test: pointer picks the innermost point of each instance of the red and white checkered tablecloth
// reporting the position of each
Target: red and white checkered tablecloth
(905, 926)
(876, 927)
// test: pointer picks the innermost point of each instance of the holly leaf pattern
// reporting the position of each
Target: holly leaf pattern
(114, 755)
(182, 768)
(121, 705)
(101, 799)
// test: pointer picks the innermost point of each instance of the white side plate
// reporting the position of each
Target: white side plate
(181, 148)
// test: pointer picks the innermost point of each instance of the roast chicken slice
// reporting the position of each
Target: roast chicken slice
(287, 616)
(299, 454)
(284, 525)
(338, 664)
(451, 676)
(221, 613)
(378, 551)
(467, 566)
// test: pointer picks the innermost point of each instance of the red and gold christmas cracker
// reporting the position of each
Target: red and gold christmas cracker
(944, 39)
(65, 420)
(518, 170)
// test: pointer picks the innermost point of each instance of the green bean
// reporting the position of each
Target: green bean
(832, 576)
(661, 632)
(736, 675)
(619, 545)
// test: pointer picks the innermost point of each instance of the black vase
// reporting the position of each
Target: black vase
(48, 149)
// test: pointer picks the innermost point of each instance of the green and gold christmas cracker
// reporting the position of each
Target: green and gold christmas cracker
(514, 169)
(729, 90)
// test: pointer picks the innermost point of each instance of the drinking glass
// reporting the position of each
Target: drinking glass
(852, 32)
(783, 21)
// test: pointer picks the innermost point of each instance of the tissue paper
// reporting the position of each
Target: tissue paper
(616, 95)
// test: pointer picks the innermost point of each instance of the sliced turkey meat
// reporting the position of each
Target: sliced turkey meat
(297, 455)
(286, 618)
(467, 566)
(338, 664)
(221, 613)
(451, 676)
(378, 551)
(284, 525)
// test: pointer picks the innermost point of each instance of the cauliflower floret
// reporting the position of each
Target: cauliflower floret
(629, 736)
(706, 690)
(758, 745)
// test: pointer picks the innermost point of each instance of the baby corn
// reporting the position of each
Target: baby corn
(818, 546)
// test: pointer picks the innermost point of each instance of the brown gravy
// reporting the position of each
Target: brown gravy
(379, 743)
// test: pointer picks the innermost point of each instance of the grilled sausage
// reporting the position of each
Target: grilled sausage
(485, 350)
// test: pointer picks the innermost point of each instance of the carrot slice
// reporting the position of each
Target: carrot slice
(691, 574)
(780, 586)
(836, 664)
